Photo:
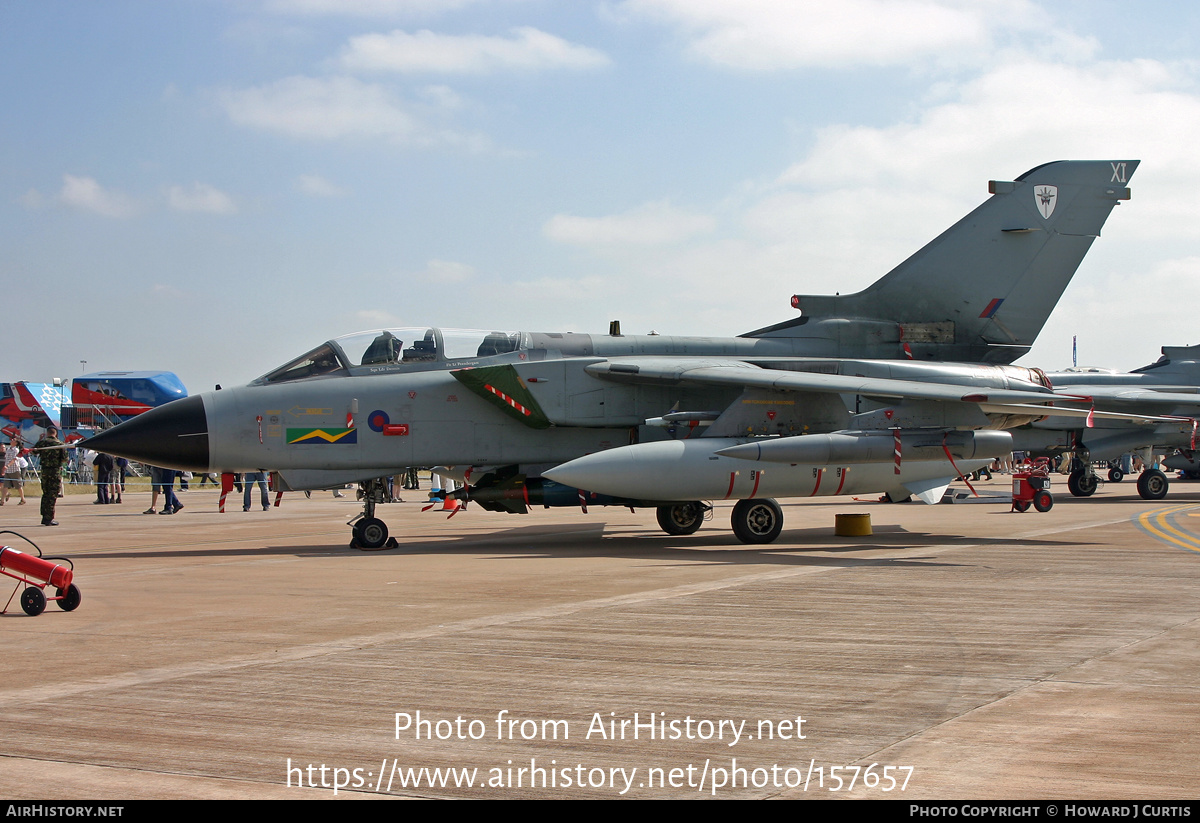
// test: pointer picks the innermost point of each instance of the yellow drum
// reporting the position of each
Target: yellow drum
(852, 525)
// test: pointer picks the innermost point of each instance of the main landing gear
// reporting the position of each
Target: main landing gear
(754, 521)
(757, 521)
(369, 532)
(1152, 484)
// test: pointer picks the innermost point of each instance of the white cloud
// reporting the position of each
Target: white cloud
(201, 197)
(318, 186)
(336, 108)
(652, 224)
(1116, 110)
(321, 109)
(769, 34)
(1122, 316)
(86, 194)
(442, 97)
(528, 49)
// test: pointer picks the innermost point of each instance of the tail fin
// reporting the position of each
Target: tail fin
(982, 290)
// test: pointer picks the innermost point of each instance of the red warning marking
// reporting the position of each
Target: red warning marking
(395, 430)
(845, 471)
(757, 477)
(954, 466)
(816, 488)
(729, 491)
(897, 451)
(508, 400)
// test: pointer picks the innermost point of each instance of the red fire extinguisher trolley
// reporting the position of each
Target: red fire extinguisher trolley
(1032, 487)
(38, 572)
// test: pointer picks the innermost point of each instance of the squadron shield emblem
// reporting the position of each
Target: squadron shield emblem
(1046, 197)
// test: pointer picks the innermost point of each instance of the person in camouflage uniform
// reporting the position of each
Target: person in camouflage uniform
(53, 456)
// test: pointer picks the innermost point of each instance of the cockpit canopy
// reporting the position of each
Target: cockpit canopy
(400, 349)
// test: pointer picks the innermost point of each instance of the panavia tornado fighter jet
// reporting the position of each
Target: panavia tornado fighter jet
(1166, 392)
(841, 400)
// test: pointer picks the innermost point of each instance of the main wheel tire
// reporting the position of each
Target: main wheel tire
(70, 599)
(370, 533)
(1152, 484)
(33, 601)
(1115, 475)
(1043, 501)
(1082, 484)
(757, 521)
(681, 518)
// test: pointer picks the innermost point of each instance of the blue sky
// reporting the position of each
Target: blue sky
(212, 187)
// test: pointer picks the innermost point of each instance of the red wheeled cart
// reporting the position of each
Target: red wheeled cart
(1031, 487)
(38, 572)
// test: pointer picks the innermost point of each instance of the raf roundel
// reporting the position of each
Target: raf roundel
(377, 420)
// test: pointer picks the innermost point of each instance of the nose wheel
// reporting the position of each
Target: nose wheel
(369, 533)
(1083, 482)
(682, 518)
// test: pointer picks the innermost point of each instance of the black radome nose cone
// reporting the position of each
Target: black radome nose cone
(174, 436)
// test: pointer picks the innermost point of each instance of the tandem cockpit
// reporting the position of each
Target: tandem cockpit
(420, 348)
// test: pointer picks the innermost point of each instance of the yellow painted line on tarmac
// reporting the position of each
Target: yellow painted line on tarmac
(1159, 524)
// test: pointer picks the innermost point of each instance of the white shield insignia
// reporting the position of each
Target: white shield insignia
(1046, 197)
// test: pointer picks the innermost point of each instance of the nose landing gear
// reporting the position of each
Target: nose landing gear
(369, 533)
